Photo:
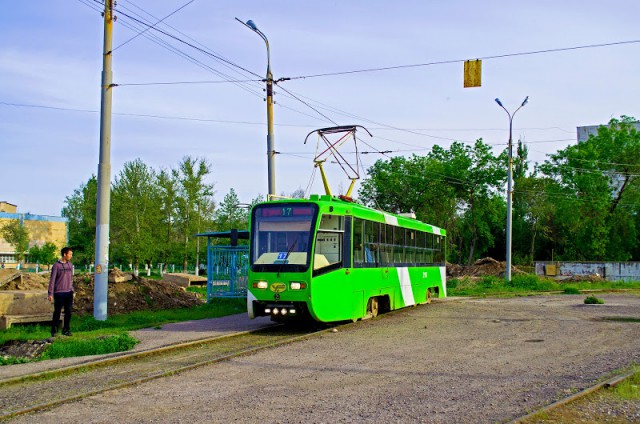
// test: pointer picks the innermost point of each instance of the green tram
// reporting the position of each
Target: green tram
(334, 260)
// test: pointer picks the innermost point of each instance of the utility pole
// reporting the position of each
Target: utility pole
(101, 276)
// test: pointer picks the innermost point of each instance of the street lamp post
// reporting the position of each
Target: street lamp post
(270, 138)
(510, 185)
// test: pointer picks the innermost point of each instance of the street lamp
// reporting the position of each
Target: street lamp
(270, 138)
(510, 185)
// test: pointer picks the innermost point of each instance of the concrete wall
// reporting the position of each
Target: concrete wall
(612, 271)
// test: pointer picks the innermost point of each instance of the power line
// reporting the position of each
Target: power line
(152, 26)
(190, 45)
(142, 115)
(183, 34)
(175, 50)
(185, 82)
(443, 62)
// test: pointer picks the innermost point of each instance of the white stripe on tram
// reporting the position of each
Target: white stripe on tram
(405, 286)
(443, 278)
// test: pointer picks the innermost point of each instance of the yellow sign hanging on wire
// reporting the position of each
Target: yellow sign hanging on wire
(472, 73)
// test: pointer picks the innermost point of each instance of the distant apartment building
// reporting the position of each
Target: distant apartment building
(41, 228)
(586, 131)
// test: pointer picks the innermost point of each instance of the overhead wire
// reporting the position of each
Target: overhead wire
(293, 95)
(152, 26)
(233, 69)
(154, 38)
(443, 62)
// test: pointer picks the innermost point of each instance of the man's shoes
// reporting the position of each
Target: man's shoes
(66, 333)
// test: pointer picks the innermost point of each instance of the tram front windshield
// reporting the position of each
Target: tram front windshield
(281, 237)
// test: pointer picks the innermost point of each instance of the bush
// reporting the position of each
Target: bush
(571, 290)
(592, 300)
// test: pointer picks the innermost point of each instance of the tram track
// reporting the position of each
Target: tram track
(44, 390)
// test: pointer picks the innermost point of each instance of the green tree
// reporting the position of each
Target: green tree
(455, 188)
(600, 178)
(194, 202)
(229, 213)
(80, 209)
(168, 188)
(45, 255)
(17, 236)
(135, 214)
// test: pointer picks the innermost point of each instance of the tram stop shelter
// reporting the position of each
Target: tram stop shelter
(227, 264)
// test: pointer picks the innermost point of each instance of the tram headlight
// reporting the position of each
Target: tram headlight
(284, 311)
(275, 311)
(260, 284)
(298, 285)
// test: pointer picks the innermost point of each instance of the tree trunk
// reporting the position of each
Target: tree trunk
(472, 248)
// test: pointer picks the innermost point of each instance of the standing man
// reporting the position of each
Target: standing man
(61, 291)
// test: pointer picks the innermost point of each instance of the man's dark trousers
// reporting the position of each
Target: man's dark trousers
(61, 300)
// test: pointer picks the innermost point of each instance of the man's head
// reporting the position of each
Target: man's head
(67, 253)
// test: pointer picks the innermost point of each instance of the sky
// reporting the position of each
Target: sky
(51, 64)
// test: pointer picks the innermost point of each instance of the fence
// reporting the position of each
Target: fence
(227, 271)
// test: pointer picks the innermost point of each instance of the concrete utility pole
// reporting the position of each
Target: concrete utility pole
(271, 153)
(104, 173)
(507, 274)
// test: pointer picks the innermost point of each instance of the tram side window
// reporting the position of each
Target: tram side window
(410, 246)
(437, 250)
(420, 240)
(386, 248)
(371, 243)
(329, 241)
(358, 247)
(398, 245)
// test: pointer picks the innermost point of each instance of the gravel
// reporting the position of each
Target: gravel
(474, 360)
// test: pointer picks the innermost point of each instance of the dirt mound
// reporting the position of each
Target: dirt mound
(481, 268)
(138, 294)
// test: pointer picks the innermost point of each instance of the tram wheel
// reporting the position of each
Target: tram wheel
(373, 307)
(428, 296)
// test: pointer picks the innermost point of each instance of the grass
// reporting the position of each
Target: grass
(85, 344)
(630, 388)
(526, 283)
(92, 337)
(592, 300)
